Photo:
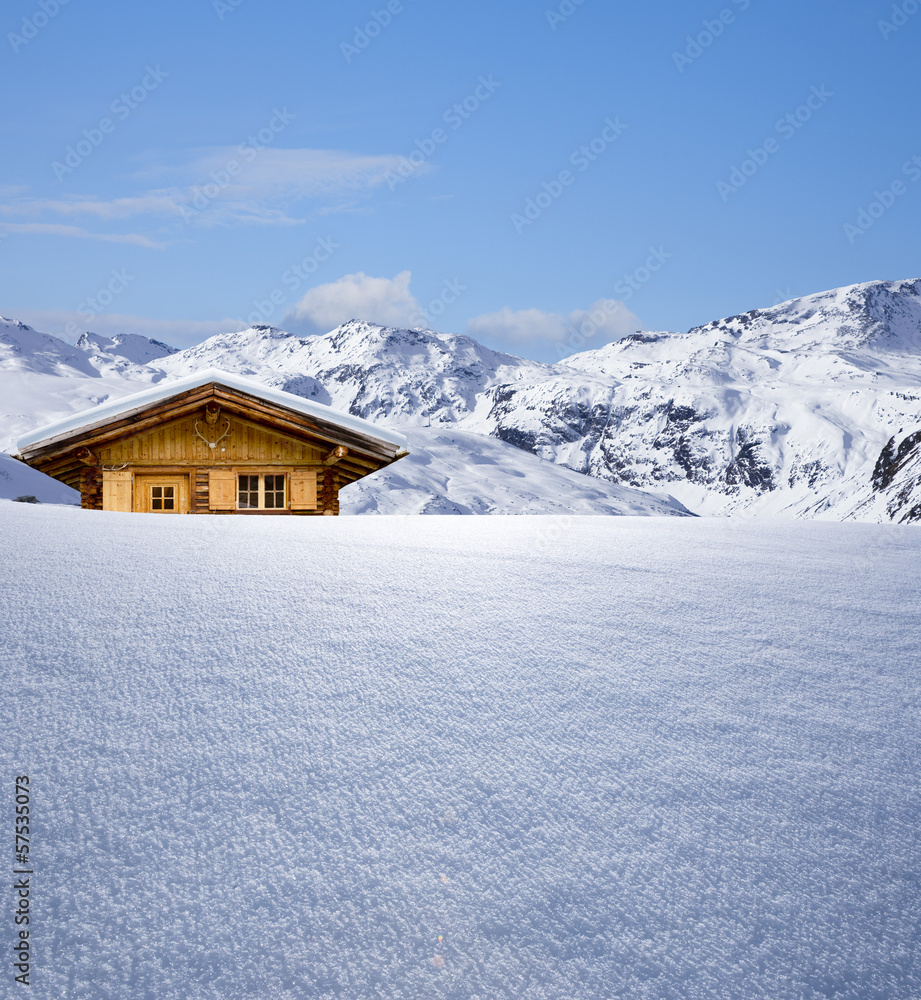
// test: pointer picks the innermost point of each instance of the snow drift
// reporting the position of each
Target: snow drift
(523, 758)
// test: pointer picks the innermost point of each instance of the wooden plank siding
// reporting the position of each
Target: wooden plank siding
(116, 490)
(364, 456)
(303, 489)
(222, 489)
(112, 462)
(176, 443)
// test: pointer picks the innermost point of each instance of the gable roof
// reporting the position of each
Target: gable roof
(126, 406)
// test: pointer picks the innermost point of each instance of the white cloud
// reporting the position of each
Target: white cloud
(212, 187)
(175, 332)
(518, 325)
(387, 301)
(290, 174)
(77, 232)
(604, 321)
(116, 208)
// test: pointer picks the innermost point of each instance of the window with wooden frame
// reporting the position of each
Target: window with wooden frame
(163, 497)
(261, 492)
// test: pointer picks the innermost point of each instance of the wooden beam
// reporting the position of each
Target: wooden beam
(328, 431)
(352, 451)
(240, 404)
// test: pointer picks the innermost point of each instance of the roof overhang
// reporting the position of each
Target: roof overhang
(369, 446)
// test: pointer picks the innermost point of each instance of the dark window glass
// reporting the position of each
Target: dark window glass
(169, 499)
(248, 492)
(156, 498)
(274, 492)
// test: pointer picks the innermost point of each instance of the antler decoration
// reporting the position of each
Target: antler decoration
(213, 444)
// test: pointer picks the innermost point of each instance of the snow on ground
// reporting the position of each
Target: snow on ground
(405, 758)
(17, 479)
(456, 472)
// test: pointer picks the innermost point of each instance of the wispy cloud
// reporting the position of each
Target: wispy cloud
(606, 319)
(219, 186)
(76, 232)
(292, 174)
(116, 208)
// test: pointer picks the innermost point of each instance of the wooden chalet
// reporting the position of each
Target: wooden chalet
(211, 443)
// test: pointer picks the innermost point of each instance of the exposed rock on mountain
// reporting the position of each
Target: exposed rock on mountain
(800, 410)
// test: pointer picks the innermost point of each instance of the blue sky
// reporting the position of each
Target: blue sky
(517, 171)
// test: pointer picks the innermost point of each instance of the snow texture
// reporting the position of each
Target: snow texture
(471, 474)
(449, 471)
(785, 411)
(17, 479)
(499, 758)
(168, 388)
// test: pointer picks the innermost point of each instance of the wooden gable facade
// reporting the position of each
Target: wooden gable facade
(216, 445)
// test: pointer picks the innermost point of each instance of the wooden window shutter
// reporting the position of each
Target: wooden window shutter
(304, 489)
(116, 490)
(222, 489)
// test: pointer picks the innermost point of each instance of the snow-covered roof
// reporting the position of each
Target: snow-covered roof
(126, 405)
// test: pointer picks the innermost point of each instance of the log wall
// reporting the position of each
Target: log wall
(91, 488)
(177, 443)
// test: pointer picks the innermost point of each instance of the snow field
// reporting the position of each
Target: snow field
(455, 472)
(600, 757)
(18, 479)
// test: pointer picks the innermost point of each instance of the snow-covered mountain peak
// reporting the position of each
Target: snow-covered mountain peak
(778, 410)
(862, 335)
(884, 314)
(246, 352)
(15, 324)
(26, 350)
(415, 376)
(396, 345)
(129, 346)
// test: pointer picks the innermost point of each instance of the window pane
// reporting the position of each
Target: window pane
(248, 492)
(169, 499)
(156, 498)
(274, 492)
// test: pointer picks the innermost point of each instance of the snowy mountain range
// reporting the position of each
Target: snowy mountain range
(811, 408)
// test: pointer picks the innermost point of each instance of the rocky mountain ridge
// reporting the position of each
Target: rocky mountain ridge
(785, 411)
